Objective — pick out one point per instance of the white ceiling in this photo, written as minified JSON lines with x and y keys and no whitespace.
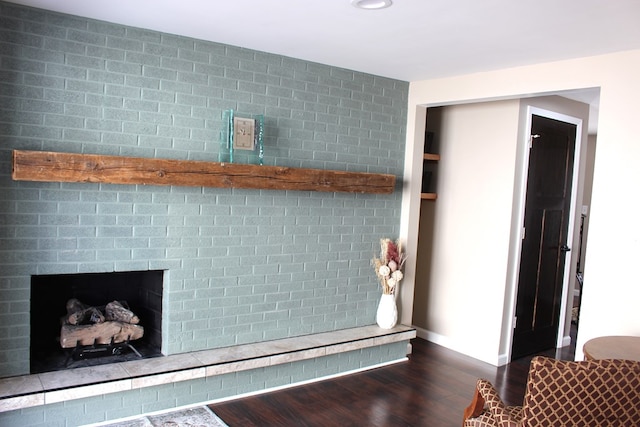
{"x":411,"y":40}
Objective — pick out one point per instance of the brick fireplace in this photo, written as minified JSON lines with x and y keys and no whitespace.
{"x":240,"y":267}
{"x":141,"y":291}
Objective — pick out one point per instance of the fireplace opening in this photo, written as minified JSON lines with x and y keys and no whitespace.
{"x":68,"y":309}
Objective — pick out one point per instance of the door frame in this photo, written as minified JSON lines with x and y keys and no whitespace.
{"x":571,"y":230}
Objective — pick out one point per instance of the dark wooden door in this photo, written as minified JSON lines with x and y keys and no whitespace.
{"x":544,"y":246}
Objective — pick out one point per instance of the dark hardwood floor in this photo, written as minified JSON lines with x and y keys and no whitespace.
{"x":431,"y":389}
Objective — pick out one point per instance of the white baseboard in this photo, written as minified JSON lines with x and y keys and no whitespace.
{"x":443,"y":341}
{"x":503,"y":359}
{"x":452,"y":345}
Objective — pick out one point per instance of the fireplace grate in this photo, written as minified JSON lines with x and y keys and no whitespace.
{"x":83,"y":352}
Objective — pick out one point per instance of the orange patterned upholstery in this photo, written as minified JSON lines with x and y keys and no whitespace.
{"x":602,"y":393}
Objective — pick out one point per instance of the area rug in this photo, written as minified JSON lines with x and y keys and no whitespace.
{"x":194,"y":417}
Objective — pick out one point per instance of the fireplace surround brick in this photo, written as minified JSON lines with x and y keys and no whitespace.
{"x":241,"y":266}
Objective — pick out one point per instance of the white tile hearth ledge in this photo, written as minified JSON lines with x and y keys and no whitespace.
{"x":52,"y":387}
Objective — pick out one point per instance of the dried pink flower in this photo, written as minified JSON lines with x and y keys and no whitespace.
{"x":388,"y":266}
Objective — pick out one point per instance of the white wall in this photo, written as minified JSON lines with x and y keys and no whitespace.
{"x":610,"y":292}
{"x":470,"y":234}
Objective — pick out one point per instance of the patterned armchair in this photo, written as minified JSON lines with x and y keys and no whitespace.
{"x":602,"y":393}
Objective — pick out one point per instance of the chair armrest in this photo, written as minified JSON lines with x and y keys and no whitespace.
{"x":486,"y":396}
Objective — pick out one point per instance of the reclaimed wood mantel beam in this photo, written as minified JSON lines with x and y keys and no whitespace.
{"x":47,"y":166}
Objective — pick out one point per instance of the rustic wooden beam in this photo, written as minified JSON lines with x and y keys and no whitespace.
{"x":68,"y":167}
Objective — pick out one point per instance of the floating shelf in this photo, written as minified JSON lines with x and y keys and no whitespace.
{"x":432,"y":158}
{"x":428,"y":196}
{"x":47,"y":166}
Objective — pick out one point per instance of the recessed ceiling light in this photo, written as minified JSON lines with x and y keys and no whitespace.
{"x":371,"y":4}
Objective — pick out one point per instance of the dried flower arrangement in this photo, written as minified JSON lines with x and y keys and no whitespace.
{"x":389,"y":264}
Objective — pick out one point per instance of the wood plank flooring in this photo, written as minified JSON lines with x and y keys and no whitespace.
{"x":431,"y":389}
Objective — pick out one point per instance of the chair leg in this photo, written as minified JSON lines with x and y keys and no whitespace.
{"x":475,"y":408}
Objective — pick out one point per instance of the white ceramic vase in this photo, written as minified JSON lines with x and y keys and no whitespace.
{"x":387,"y":314}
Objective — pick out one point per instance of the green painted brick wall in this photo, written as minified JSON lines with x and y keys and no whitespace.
{"x":240,"y":265}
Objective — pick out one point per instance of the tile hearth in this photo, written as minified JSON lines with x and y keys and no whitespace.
{"x":51,"y":387}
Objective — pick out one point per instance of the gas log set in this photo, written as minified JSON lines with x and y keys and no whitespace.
{"x":99,"y":331}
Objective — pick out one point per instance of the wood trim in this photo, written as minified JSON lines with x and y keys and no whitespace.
{"x":431,"y":156}
{"x":47,"y":166}
{"x":428,"y":196}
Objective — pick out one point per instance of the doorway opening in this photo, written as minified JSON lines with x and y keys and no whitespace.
{"x":435,"y":272}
